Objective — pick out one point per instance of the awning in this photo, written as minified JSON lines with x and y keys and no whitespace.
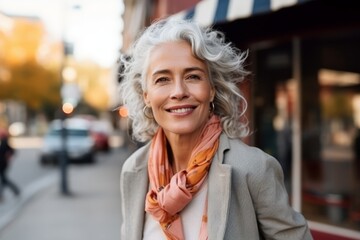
{"x":208,"y":12}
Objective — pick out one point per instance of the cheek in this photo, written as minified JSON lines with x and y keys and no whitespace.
{"x":156,"y":97}
{"x":203,"y":93}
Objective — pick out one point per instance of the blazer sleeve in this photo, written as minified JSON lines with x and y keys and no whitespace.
{"x":277,"y":219}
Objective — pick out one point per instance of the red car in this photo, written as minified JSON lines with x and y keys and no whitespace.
{"x":100,"y":130}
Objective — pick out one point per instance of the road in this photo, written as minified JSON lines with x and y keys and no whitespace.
{"x":32,"y":177}
{"x":24,"y":168}
{"x":28,"y":175}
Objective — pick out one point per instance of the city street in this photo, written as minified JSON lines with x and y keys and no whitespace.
{"x":92,"y":211}
{"x":27,"y":174}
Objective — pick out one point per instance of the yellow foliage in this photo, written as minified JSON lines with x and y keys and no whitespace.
{"x":93,"y":81}
{"x":23,"y":42}
{"x":30,"y":68}
{"x":22,"y":78}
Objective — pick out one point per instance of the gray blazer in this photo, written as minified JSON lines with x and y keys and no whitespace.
{"x":247,"y":197}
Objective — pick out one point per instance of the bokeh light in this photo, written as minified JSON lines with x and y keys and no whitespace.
{"x":67,"y":108}
{"x":123,"y":112}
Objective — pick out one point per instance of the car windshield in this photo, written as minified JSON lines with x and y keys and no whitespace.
{"x":70,"y":132}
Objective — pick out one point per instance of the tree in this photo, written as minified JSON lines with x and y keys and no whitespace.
{"x":24,"y":75}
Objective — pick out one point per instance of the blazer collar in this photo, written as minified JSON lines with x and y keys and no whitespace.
{"x":219,"y":192}
{"x":224,"y":145}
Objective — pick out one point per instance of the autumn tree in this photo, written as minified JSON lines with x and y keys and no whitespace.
{"x":28,"y":72}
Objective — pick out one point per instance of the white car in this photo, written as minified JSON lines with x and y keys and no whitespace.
{"x":79,"y":144}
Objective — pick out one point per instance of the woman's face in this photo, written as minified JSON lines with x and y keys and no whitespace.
{"x":178,"y":89}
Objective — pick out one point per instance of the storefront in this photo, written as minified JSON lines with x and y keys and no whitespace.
{"x":305,"y":96}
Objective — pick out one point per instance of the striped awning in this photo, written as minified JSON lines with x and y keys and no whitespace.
{"x":208,"y":12}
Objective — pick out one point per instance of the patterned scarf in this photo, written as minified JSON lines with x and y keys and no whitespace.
{"x":170,"y":193}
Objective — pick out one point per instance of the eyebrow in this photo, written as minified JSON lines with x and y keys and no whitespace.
{"x":190,"y":69}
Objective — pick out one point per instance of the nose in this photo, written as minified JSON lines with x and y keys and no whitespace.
{"x":180,"y":90}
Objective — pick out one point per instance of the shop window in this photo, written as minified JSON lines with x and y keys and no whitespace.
{"x":274,"y":99}
{"x":331,"y":151}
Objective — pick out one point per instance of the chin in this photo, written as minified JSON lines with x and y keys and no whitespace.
{"x":182,"y":129}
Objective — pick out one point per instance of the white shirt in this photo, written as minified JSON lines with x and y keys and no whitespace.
{"x":191,"y":218}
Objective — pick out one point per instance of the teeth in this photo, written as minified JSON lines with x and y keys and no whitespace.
{"x":181,"y":110}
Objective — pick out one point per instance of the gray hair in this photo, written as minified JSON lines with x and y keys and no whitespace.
{"x":226,"y":70}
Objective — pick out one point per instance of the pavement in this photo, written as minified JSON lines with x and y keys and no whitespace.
{"x":91,"y":211}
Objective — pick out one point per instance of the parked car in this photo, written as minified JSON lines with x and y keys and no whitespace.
{"x":101,"y":130}
{"x":79,"y":143}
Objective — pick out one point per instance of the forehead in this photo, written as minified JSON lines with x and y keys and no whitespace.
{"x":174,"y":54}
{"x":171,"y":44}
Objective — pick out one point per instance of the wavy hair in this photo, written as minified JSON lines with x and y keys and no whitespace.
{"x":226,"y":71}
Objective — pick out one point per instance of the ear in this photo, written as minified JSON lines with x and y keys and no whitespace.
{"x":212,"y":94}
{"x":146,"y":100}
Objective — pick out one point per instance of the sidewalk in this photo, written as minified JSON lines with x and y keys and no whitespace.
{"x":92,"y":212}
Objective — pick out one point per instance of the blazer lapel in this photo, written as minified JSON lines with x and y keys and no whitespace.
{"x":219,"y":192}
{"x":136,"y":185}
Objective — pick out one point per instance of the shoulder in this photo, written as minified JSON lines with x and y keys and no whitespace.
{"x":137,"y":160}
{"x":247,"y":158}
{"x":253,"y":167}
{"x":239,"y":149}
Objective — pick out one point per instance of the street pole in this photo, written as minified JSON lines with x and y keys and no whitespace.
{"x":64,"y":157}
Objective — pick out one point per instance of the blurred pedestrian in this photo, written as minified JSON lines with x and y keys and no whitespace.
{"x":196,"y":179}
{"x":6,"y":154}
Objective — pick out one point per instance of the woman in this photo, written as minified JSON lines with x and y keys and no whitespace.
{"x":196,"y":179}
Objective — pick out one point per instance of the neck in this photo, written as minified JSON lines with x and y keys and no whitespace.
{"x":179,"y":152}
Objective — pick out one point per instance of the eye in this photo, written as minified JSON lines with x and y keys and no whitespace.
{"x":193,"y":77}
{"x":161,"y":80}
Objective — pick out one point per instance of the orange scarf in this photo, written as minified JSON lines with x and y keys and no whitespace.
{"x":170,"y":193}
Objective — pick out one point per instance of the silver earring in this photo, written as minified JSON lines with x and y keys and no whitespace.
{"x":212,"y":107}
{"x":147,"y":112}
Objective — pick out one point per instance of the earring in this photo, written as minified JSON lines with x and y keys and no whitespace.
{"x":147,"y":112}
{"x":212,"y":107}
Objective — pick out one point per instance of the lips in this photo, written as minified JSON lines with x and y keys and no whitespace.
{"x":181,"y":109}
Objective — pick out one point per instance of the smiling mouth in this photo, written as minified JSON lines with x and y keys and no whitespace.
{"x":181,"y":110}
